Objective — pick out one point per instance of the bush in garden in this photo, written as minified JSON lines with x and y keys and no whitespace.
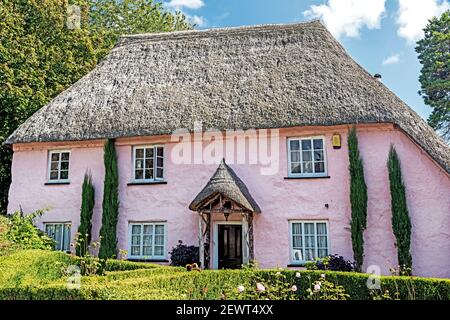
{"x":332,"y":262}
{"x":323,"y":289}
{"x":23,"y":233}
{"x":183,"y":255}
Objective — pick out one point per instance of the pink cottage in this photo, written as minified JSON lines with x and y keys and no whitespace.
{"x":276,"y":102}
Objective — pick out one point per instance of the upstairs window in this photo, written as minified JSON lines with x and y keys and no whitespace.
{"x":306,"y":157}
{"x":148,"y":163}
{"x":58,"y":166}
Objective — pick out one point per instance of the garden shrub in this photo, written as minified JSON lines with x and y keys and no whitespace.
{"x":183,"y":255}
{"x":86,"y":212}
{"x":332,"y":262}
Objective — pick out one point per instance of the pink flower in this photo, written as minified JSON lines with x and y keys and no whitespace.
{"x":294,"y":288}
{"x":317,"y":286}
{"x":240,"y":289}
{"x":260,"y":287}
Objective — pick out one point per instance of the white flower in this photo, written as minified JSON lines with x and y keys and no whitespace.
{"x":323,"y":275}
{"x":278,"y":273}
{"x":260,"y":287}
{"x":297,"y":275}
{"x":294,"y":288}
{"x":317,"y":286}
{"x":240,"y":289}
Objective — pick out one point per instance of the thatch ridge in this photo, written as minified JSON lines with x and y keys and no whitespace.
{"x":225,"y":182}
{"x":271,"y":76}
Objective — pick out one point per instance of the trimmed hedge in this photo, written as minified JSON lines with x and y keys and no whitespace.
{"x":37,"y":275}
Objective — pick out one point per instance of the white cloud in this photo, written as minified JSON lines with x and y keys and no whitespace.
{"x":394,"y":59}
{"x":199,"y":21}
{"x":347,"y":17}
{"x":190,"y":4}
{"x":413,"y":16}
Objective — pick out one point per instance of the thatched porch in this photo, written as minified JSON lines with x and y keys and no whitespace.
{"x":225,"y":195}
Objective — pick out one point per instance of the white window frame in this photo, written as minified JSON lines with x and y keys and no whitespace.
{"x":155,"y":161}
{"x":291,"y":239}
{"x":65,"y":223}
{"x":130,"y":239}
{"x":49,"y":166}
{"x":313,"y":174}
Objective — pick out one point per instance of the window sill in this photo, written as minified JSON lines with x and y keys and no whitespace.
{"x":307,"y":178}
{"x":138,"y":183}
{"x":50,"y":183}
{"x":296,"y":265}
{"x":147,"y":260}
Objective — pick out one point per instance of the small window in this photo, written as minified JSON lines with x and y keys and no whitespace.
{"x":60,"y":233}
{"x":58,"y":166}
{"x":147,"y":241}
{"x":309,"y":240}
{"x":148,"y":163}
{"x":306,"y":157}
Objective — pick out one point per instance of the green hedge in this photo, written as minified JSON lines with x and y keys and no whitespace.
{"x":38,"y":275}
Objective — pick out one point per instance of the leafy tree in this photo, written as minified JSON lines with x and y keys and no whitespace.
{"x":40,"y":55}
{"x":358,"y":199}
{"x":87,"y":210}
{"x":108,"y":231}
{"x":434,"y":55}
{"x":401,"y":223}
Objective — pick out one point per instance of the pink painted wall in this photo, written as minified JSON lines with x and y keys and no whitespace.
{"x":427,"y":186}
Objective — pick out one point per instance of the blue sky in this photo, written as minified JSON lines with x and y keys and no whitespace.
{"x":379,"y":34}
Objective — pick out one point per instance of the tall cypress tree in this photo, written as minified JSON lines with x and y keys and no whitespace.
{"x":358,"y":199}
{"x":87,"y":209}
{"x":108,"y":241}
{"x":401,"y":223}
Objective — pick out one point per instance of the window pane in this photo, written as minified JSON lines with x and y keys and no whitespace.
{"x":318,"y":144}
{"x":54,"y":175}
{"x":297,"y":242}
{"x":309,"y":254}
{"x":160,"y":151}
{"x":318,"y":156}
{"x":147,"y":240}
{"x":64,"y":175}
{"x":66,"y":236}
{"x":159,"y":240}
{"x":307,"y":167}
{"x":159,"y":229}
{"x":149,"y":163}
{"x":57,"y":236}
{"x":136,"y":240}
{"x":149,"y":153}
{"x":159,"y":250}
{"x":159,"y":173}
{"x":139,"y":164}
{"x":296,"y":228}
{"x":54,"y":166}
{"x":309,"y":242}
{"x":295,"y":156}
{"x":306,"y":144}
{"x":160,"y":162}
{"x":139,"y":174}
{"x":136,"y":229}
{"x":309,"y":228}
{"x":148,"y":229}
{"x":295,"y":145}
{"x":307,"y":156}
{"x":139,"y":153}
{"x":322,"y":253}
{"x":321,"y":228}
{"x":319,"y":167}
{"x":147,"y":251}
{"x":322,"y":241}
{"x":135,"y":250}
{"x":295,"y":168}
{"x":297,"y":254}
{"x":64,"y":165}
{"x":55,"y":156}
{"x":149,"y":174}
{"x":65,"y":156}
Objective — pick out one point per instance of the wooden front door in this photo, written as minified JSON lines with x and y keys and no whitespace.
{"x":230,"y":246}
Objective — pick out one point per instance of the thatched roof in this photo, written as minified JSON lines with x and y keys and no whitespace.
{"x":270,"y":76}
{"x":225,"y":182}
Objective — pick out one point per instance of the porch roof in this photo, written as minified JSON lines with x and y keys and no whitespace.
{"x":225,"y":182}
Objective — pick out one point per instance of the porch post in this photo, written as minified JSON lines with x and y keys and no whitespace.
{"x":201,"y":242}
{"x":248,"y":255}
